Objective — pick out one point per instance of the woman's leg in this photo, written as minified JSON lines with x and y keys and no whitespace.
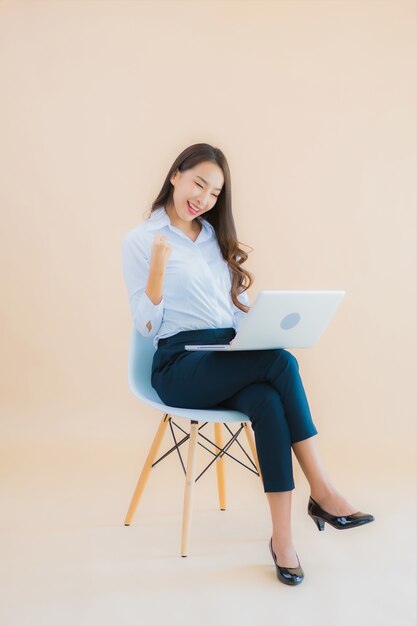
{"x":207,"y":379}
{"x":322,"y":490}
{"x":264,"y":407}
{"x":321,"y":487}
{"x":273,"y":443}
{"x":210,"y":379}
{"x":280,"y":505}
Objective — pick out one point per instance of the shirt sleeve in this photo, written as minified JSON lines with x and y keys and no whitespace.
{"x":238,"y":314}
{"x":135,"y":264}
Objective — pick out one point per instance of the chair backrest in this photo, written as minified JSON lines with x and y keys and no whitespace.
{"x":141,"y":351}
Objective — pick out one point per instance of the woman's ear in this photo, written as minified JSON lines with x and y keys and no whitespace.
{"x":173,"y":177}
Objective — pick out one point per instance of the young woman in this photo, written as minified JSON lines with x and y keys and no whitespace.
{"x":186,"y":284}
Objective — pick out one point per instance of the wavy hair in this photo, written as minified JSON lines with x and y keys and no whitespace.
{"x":220,"y":216}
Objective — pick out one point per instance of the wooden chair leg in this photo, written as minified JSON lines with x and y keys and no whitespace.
{"x":143,"y":478}
{"x":252,"y":445}
{"x":221,"y":483}
{"x":189,"y":487}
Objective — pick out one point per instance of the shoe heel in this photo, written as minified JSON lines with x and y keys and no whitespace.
{"x":319,"y":522}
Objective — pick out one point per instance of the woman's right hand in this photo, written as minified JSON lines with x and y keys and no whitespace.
{"x":160,"y":252}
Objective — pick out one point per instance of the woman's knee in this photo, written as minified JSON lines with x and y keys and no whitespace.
{"x":260,"y":399}
{"x":286,"y":356}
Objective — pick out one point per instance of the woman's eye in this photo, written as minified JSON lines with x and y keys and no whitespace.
{"x":213,"y":194}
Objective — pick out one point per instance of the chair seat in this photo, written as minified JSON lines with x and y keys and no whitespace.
{"x":201,"y":415}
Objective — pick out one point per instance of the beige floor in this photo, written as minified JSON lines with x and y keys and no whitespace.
{"x":67,"y":559}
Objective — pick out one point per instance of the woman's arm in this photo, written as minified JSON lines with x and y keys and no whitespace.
{"x":160,"y":253}
{"x":144,"y":280}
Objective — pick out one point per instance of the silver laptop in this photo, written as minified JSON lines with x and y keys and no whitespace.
{"x":283,"y":319}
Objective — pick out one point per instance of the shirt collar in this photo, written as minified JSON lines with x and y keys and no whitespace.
{"x":159,"y":218}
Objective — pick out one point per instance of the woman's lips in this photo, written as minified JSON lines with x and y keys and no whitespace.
{"x":191,"y":210}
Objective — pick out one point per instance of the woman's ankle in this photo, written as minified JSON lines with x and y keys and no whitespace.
{"x":282,"y":542}
{"x":323,"y":490}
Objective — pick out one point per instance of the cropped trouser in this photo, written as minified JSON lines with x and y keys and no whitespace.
{"x":265,"y":385}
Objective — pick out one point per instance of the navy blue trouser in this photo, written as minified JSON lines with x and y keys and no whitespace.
{"x":265,"y":385}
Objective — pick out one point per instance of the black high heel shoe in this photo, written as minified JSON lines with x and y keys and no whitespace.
{"x":287,"y":575}
{"x":320,"y":516}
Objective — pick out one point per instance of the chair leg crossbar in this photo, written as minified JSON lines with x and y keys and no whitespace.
{"x":219,"y":454}
{"x":189,"y":471}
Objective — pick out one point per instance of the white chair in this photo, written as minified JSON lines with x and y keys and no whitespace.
{"x":141,"y":351}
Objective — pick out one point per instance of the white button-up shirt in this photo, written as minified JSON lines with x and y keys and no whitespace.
{"x":196,"y":288}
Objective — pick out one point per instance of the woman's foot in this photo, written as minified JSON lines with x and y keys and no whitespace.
{"x":285,"y":553}
{"x":333,"y":502}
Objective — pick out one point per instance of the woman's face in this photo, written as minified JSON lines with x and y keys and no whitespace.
{"x":200,"y":186}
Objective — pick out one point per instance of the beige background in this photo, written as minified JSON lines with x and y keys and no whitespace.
{"x":314,"y":105}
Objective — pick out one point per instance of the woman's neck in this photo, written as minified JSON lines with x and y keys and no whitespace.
{"x":191,"y":229}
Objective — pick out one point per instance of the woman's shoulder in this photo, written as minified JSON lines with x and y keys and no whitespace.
{"x":136,"y":236}
{"x":152,"y":222}
{"x":136,"y":231}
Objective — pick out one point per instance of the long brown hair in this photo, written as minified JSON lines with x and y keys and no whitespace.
{"x":220,"y":216}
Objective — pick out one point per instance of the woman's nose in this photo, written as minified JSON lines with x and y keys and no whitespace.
{"x":203,"y":200}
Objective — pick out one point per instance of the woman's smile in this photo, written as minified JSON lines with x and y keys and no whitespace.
{"x":191,"y":208}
